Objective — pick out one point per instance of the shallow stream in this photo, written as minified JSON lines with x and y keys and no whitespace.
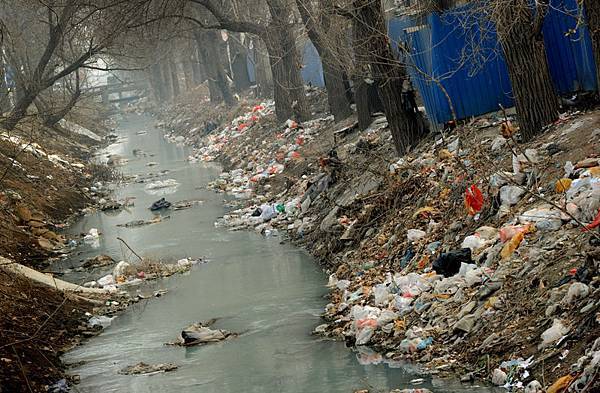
{"x":273,"y":293}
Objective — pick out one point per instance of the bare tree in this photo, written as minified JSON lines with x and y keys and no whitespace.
{"x":208,"y":48}
{"x":519,"y":31}
{"x":318,"y":23}
{"x":76,"y":32}
{"x":280,"y":41}
{"x":372,"y":49}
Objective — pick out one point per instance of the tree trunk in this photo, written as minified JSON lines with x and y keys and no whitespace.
{"x":592,"y":10}
{"x":262,"y":70}
{"x":4,"y":98}
{"x":332,"y":71}
{"x":536,"y":101}
{"x":19,"y":111}
{"x":211,"y":56}
{"x":196,"y":68}
{"x":157,"y":83}
{"x":285,"y":64}
{"x":166,"y":80}
{"x":239,"y":63}
{"x":288,"y":87}
{"x":361,"y":99}
{"x":187,"y":72}
{"x":405,"y":121}
{"x":174,"y":79}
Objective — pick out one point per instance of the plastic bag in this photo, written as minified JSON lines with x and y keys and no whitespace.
{"x":473,"y":200}
{"x":553,"y":334}
{"x":364,"y":335}
{"x":106,"y":280}
{"x":414,"y":235}
{"x":101,"y":320}
{"x":509,"y":231}
{"x":474,"y":242}
{"x":386,"y":317}
{"x":267,"y":212}
{"x":512,"y":245}
{"x":403,"y":304}
{"x":594,"y":223}
{"x":382,"y":294}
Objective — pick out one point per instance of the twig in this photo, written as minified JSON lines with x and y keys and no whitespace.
{"x":22,"y":370}
{"x":130,"y":249}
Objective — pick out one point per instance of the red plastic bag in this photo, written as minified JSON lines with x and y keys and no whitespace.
{"x":593,"y":224}
{"x":473,"y":200}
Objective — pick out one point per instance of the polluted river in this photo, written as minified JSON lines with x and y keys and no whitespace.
{"x":270,"y":292}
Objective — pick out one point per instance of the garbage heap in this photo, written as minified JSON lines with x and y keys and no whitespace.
{"x":475,"y":254}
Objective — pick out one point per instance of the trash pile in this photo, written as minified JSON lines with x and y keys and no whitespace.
{"x":125,"y":274}
{"x":142,"y":368}
{"x":472,"y":249}
{"x":200,"y":333}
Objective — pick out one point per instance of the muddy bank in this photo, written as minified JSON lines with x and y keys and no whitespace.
{"x":523,"y":307}
{"x":47,"y":178}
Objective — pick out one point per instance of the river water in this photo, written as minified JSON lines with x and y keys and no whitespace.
{"x":271,"y":292}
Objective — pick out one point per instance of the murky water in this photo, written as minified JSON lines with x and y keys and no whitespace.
{"x":272,"y":292}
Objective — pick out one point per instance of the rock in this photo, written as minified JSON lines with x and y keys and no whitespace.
{"x":36,"y":223}
{"x":23,"y":213}
{"x":330,"y":220}
{"x":511,"y":195}
{"x":98,"y":261}
{"x":198,"y":334}
{"x":52,"y":236}
{"x":468,"y":308}
{"x":490,"y":341}
{"x":499,"y":377}
{"x":420,"y":390}
{"x":45,"y":244}
{"x":466,"y":323}
{"x":469,"y":377}
{"x":144,"y":368}
{"x":489,"y":288}
{"x":487,"y":233}
{"x":543,"y":218}
{"x":534,"y":387}
{"x":587,"y":163}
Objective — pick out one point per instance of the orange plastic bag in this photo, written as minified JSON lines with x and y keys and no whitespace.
{"x":512,"y":245}
{"x":561,"y":384}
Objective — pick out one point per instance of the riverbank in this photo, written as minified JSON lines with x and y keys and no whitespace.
{"x":518,"y":308}
{"x":47,"y":177}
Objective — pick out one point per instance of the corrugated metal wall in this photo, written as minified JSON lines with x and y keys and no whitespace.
{"x":312,"y":69}
{"x":448,"y":60}
{"x":570,"y":58}
{"x":467,"y":61}
{"x":439,"y":44}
